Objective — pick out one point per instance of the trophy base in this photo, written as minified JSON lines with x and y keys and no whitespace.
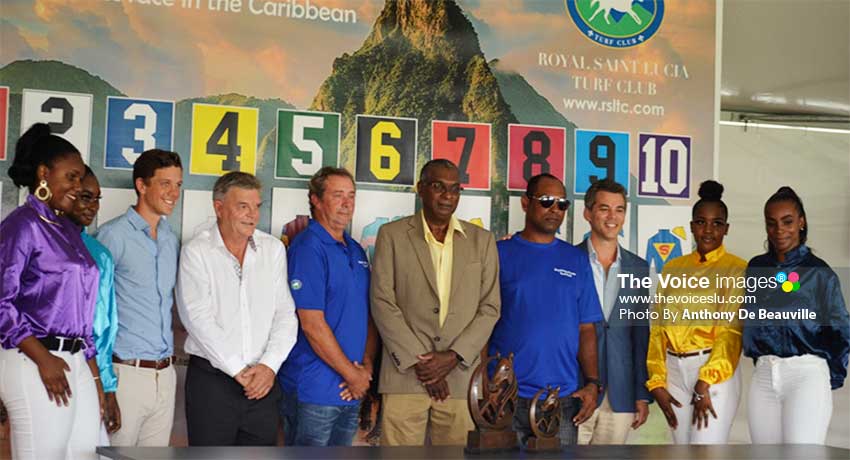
{"x":479,"y":441}
{"x":536,"y":444}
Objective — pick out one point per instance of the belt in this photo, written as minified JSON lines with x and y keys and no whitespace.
{"x":689,"y":354}
{"x":58,"y":343}
{"x":158,"y":364}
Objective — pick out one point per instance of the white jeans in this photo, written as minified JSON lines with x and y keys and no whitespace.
{"x":790,"y":400}
{"x":682,"y":376}
{"x":41,"y":430}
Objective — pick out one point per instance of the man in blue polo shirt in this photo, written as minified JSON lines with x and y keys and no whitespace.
{"x":549,"y":305}
{"x":330,"y":368}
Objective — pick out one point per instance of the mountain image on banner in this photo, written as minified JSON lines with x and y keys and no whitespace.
{"x":421,"y":60}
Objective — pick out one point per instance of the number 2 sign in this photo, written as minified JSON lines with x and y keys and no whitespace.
{"x":534,"y":150}
{"x":224,"y":139}
{"x":665,"y":166}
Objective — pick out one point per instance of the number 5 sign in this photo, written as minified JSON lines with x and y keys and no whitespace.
{"x":534,"y":150}
{"x":134,"y":126}
{"x":665,"y":166}
{"x":224,"y":139}
{"x":386,"y":150}
{"x":306,"y":141}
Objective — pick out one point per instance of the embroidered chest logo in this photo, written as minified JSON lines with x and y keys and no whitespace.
{"x":563,"y":272}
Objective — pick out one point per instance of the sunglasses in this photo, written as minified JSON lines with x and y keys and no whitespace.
{"x":546,"y":201}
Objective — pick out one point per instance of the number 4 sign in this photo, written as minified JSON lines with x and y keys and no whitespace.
{"x":665,"y":166}
{"x":134,"y":126}
{"x":306,"y":141}
{"x":224,"y":139}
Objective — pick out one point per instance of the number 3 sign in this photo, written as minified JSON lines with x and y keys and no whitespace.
{"x":224,"y":139}
{"x":134,"y":126}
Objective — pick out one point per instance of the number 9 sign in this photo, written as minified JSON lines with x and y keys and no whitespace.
{"x":665,"y":166}
{"x":386,"y":150}
{"x":600,"y":155}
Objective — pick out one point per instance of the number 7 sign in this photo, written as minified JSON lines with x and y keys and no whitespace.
{"x":467,"y":145}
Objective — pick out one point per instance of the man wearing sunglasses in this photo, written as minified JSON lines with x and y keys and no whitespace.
{"x":549,"y":307}
{"x":434,"y":299}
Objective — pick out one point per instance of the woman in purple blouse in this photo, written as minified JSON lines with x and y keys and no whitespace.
{"x":49,"y":380}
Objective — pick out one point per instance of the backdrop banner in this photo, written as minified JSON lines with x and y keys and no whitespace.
{"x":581,"y":89}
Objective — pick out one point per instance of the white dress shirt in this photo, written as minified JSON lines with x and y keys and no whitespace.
{"x":607,"y":284}
{"x":236,"y":316}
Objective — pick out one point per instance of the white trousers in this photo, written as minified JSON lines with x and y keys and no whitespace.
{"x":146,"y":398}
{"x":790,"y":400}
{"x":682,"y":376}
{"x":41,"y":430}
{"x":606,"y":426}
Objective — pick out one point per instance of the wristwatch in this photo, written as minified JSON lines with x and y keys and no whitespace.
{"x":595,"y":382}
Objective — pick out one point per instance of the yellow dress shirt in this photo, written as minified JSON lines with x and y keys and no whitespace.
{"x":723,"y":337}
{"x":441,"y":257}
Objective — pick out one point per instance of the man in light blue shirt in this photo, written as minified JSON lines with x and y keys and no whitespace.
{"x":145,"y":252}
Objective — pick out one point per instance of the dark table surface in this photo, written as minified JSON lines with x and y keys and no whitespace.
{"x":664,"y":452}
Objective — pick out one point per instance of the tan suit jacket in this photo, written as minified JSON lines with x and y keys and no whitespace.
{"x":406,"y":304}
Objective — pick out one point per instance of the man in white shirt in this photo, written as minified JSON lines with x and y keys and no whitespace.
{"x":233,"y":297}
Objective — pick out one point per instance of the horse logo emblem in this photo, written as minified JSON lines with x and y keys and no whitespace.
{"x":617,"y":23}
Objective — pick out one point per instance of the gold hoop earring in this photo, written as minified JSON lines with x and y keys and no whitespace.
{"x":42,"y":192}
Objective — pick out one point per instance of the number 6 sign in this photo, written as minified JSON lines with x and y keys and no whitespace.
{"x":665,"y":166}
{"x":386,"y":150}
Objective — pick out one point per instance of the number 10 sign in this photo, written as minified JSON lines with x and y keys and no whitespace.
{"x":665,"y":166}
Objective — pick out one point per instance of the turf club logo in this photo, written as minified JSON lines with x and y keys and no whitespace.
{"x":789,"y":282}
{"x":617,"y":23}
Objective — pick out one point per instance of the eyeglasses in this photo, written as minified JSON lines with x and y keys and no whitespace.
{"x":439,"y":187}
{"x":89,"y":199}
{"x":546,"y":201}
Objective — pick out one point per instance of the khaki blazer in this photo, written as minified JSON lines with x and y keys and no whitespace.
{"x":405,"y":304}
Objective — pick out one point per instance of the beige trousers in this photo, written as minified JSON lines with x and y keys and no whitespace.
{"x":405,"y":420}
{"x":146,"y":399}
{"x":606,"y":426}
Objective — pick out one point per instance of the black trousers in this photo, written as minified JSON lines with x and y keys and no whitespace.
{"x":219,"y":414}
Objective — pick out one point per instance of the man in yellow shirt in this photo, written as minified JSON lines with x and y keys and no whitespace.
{"x":435,"y":300}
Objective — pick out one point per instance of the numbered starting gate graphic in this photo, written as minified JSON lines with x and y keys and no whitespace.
{"x":224,"y":139}
{"x":600,"y":155}
{"x":665,"y":166}
{"x":134,"y":126}
{"x":534,"y":150}
{"x":67,"y":114}
{"x":468,"y":146}
{"x":306,"y":141}
{"x":386,"y":150}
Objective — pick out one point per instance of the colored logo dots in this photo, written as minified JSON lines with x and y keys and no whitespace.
{"x":790,"y":282}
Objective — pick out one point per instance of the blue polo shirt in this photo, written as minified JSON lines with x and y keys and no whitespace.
{"x":547,"y":291}
{"x":326,"y":275}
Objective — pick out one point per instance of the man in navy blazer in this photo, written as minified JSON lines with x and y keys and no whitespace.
{"x":621,"y":337}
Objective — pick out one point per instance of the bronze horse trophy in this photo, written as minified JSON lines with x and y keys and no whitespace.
{"x":492,"y":403}
{"x":545,"y":420}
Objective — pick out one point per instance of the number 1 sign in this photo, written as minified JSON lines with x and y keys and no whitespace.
{"x":665,"y":166}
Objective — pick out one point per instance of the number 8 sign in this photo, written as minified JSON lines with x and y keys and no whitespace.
{"x":665,"y":166}
{"x":534,"y":150}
